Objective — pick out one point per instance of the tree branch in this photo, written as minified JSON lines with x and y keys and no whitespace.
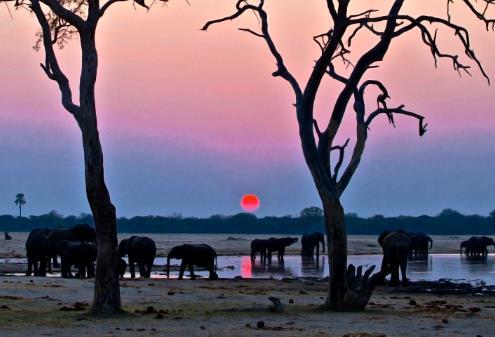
{"x":64,"y":13}
{"x":242,"y":6}
{"x":341,"y":149}
{"x":51,"y":66}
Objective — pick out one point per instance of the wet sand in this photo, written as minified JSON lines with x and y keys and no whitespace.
{"x":39,"y":306}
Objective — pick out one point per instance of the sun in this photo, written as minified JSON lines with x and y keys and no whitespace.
{"x":250,"y":202}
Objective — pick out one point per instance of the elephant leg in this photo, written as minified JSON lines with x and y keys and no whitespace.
{"x":30,"y":266}
{"x":403,"y":269}
{"x":42,"y":270}
{"x":213,"y":274}
{"x":81,"y":270}
{"x":191,"y":271}
{"x":150,"y":267}
{"x":253,"y":255}
{"x":269,"y":256}
{"x":35,"y":266}
{"x":182,"y":268}
{"x":55,"y":262}
{"x":142,"y":271}
{"x":91,"y":270}
{"x":132,"y":268}
{"x":281,"y":254}
{"x":394,"y":279}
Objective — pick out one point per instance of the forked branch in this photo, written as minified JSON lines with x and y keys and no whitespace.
{"x":242,"y":6}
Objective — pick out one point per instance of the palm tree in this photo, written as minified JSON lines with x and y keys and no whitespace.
{"x":19,"y":201}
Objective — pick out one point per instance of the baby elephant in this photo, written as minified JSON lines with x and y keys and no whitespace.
{"x":199,"y":255}
{"x":81,"y":254}
{"x":140,"y":250}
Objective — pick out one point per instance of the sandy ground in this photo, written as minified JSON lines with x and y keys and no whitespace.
{"x":38,"y":307}
{"x":31,"y":306}
{"x":226,"y":244}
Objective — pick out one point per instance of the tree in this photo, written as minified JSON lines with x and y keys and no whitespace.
{"x":311,"y":212}
{"x":60,"y":21}
{"x":20,"y":201}
{"x":330,"y":177}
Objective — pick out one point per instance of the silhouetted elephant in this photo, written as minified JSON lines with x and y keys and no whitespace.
{"x":311,"y":242}
{"x":38,"y":251}
{"x":278,"y":245}
{"x":420,"y":243}
{"x":7,"y":236}
{"x":81,"y":254}
{"x":81,"y":232}
{"x":396,"y":247}
{"x":200,"y":255}
{"x":476,"y":246}
{"x":140,"y":250}
{"x":122,"y":267}
{"x":259,"y":246}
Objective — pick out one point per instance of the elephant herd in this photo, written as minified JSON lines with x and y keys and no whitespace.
{"x":76,"y":247}
{"x":399,"y":245}
{"x":310,"y":246}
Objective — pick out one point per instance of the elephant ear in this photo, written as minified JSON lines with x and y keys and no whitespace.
{"x":123,"y":247}
{"x":382,"y":236}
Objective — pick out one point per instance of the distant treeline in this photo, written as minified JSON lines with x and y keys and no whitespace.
{"x":310,"y":220}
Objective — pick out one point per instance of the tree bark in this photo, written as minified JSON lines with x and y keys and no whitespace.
{"x":107,"y":292}
{"x":337,"y":253}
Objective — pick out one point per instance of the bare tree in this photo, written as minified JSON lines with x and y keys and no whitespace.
{"x":60,"y":21}
{"x":350,"y":289}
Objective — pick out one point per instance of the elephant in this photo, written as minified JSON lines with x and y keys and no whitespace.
{"x":420,"y":243}
{"x":81,"y":254}
{"x":80,"y":232}
{"x":278,"y":245}
{"x":122,"y":267}
{"x":140,"y":250}
{"x":38,"y":251}
{"x":310,"y":242}
{"x":259,"y":246}
{"x":7,"y":236}
{"x":396,"y":247}
{"x":476,"y":246}
{"x":200,"y":255}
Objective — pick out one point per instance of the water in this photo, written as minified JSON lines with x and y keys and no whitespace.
{"x":437,"y":266}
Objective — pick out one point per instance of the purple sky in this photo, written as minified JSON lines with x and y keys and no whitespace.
{"x":191,"y":121}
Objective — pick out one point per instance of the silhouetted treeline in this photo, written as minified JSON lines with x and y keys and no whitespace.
{"x":310,"y":219}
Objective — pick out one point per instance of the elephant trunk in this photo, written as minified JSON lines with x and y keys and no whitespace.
{"x":168,"y":266}
{"x":431,"y":242}
{"x":323,"y":244}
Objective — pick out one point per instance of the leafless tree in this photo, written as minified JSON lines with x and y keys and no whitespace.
{"x":350,"y":289}
{"x":60,"y":21}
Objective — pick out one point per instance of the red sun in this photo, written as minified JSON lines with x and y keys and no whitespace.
{"x":250,"y":202}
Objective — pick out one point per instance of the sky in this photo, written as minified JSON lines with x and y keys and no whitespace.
{"x":190,"y":121}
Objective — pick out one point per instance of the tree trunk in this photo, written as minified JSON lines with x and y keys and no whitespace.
{"x":337,"y":253}
{"x":20,"y":211}
{"x":107,"y":292}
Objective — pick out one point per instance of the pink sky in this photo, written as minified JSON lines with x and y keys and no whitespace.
{"x":179,"y":104}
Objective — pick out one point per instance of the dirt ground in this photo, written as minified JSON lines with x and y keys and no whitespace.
{"x":56,"y":307}
{"x":235,"y":244}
